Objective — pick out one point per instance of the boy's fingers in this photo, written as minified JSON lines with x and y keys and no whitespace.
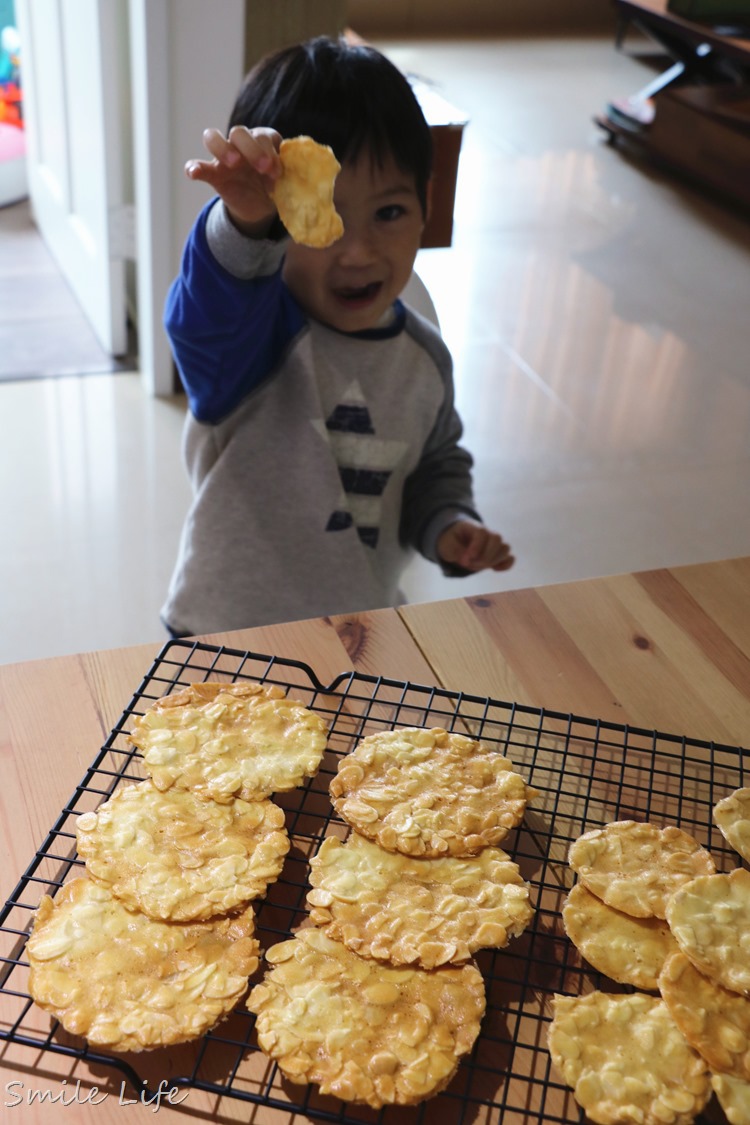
{"x":476,"y":547}
{"x":500,"y":555}
{"x":219,"y":146}
{"x":258,"y":147}
{"x":505,"y":563}
{"x":487,"y":550}
{"x":200,"y":169}
{"x":473,"y":547}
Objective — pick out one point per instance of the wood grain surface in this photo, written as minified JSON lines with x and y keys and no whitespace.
{"x":666,"y":650}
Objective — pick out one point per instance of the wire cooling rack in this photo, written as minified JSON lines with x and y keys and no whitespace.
{"x":587,"y":773}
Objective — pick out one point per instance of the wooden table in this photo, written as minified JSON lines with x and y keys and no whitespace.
{"x":665,"y":650}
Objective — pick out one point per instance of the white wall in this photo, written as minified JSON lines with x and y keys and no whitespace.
{"x":207,"y":63}
{"x":187,"y":62}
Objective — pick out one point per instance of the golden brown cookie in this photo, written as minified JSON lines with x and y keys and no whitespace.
{"x":732,"y":817}
{"x":429,"y":793}
{"x":626,"y":1060}
{"x":303,"y":194}
{"x":713,"y":1020}
{"x":733,"y":1096}
{"x":407,"y":911}
{"x":710,"y":918}
{"x":626,"y":949}
{"x":179,"y":858}
{"x":635,"y":867}
{"x":128,"y":983}
{"x":230,"y":740}
{"x":360,"y":1030}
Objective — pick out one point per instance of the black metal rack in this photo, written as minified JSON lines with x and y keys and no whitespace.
{"x":587,"y":772}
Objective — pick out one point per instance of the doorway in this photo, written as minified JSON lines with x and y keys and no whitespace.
{"x":43,"y":331}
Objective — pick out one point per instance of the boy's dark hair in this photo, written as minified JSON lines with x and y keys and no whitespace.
{"x":348,"y":96}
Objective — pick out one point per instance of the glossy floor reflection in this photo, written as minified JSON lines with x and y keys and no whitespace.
{"x":596,"y":310}
{"x":594,"y":306}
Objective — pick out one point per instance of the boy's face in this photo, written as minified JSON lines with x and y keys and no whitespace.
{"x":352,"y":283}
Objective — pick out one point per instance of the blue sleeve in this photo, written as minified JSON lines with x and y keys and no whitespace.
{"x":227,"y":333}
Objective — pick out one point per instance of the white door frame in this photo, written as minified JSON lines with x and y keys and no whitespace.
{"x":73,"y":57}
{"x":150,"y":85}
{"x":187,"y":63}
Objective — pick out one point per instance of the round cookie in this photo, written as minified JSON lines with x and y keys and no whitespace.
{"x":362,"y":1031}
{"x":178,"y":858}
{"x":710,"y":918}
{"x":230,"y":740}
{"x":635,"y":867}
{"x":626,"y":1060}
{"x":733,"y":1096}
{"x":626,"y":949}
{"x":713,"y":1020}
{"x":732,"y":817}
{"x":128,"y":983}
{"x":407,"y":911}
{"x":429,"y":793}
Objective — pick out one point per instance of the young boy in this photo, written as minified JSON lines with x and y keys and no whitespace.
{"x":322,"y":441}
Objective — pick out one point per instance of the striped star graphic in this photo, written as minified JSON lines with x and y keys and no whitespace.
{"x":365,"y":464}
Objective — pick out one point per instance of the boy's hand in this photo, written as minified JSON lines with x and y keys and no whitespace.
{"x":472,"y":546}
{"x":244,"y":168}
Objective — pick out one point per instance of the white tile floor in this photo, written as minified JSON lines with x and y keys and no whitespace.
{"x":597,"y":312}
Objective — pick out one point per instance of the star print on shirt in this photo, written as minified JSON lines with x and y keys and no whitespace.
{"x":365,"y":463}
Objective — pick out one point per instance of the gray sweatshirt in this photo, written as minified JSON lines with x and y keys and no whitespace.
{"x":319,"y":461}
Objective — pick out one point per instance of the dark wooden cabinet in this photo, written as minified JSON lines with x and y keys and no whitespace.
{"x":698,"y":122}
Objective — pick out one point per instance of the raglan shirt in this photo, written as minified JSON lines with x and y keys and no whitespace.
{"x":318,"y":460}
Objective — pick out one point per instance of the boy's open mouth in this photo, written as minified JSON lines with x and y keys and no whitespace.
{"x":355,"y":296}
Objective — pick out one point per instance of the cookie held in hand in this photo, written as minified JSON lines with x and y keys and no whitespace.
{"x":303,"y":194}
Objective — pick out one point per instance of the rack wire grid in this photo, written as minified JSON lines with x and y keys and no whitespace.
{"x":587,"y":773}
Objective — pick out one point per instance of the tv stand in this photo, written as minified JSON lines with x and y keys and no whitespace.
{"x":694,"y":117}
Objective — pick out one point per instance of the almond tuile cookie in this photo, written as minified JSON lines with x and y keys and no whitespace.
{"x":303,"y":194}
{"x":362,"y":1031}
{"x":732,"y":817}
{"x":635,"y":866}
{"x":179,"y":858}
{"x":128,"y":983}
{"x":626,"y":1060}
{"x":710,"y":918}
{"x":407,"y":911}
{"x":430,"y":793}
{"x":713,"y":1020}
{"x":733,"y":1095}
{"x":223,"y":741}
{"x":626,"y":949}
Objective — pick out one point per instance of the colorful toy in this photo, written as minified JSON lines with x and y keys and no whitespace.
{"x":10,"y":77}
{"x":13,"y":176}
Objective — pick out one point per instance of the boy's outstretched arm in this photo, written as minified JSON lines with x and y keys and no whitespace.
{"x":473,"y":547}
{"x":243,"y":170}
